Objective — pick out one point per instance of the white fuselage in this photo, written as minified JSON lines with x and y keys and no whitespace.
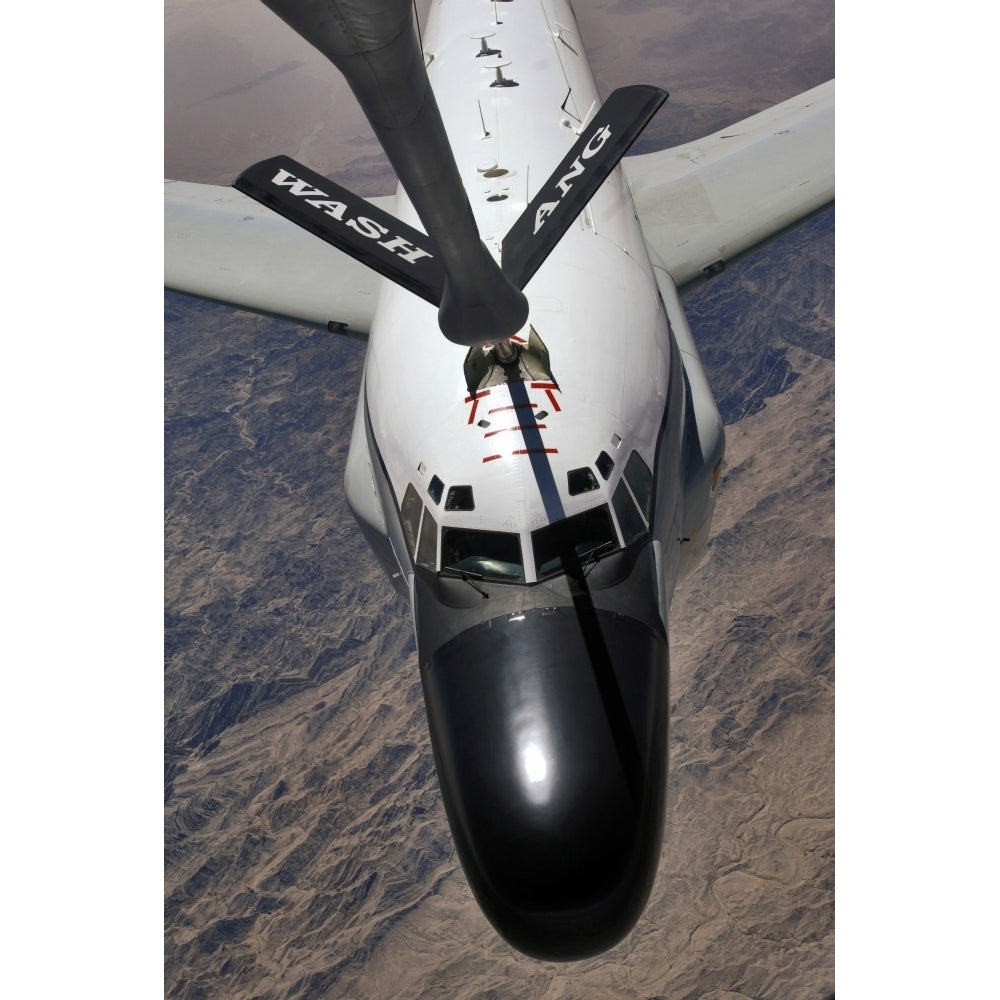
{"x":594,"y":302}
{"x":537,"y":516}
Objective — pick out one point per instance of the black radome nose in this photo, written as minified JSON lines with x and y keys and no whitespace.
{"x":549,"y":732}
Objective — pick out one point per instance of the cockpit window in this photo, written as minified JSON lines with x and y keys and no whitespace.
{"x":581,"y":481}
{"x":640,"y":479}
{"x":427,"y":550}
{"x":435,"y":488}
{"x":629,"y":520}
{"x":460,"y":498}
{"x":494,"y":555}
{"x":410,"y":511}
{"x":605,"y":463}
{"x":568,"y":544}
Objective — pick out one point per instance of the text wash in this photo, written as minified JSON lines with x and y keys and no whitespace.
{"x":336,"y":209}
{"x":594,"y":146}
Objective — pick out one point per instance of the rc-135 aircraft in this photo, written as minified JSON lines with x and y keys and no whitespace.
{"x":536,"y":481}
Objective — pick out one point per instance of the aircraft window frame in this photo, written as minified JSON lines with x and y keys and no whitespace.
{"x":630,"y":520}
{"x":410,"y":511}
{"x":426,"y":555}
{"x":581,"y":480}
{"x":640,"y":481}
{"x":480,"y":552}
{"x":435,"y":489}
{"x":605,"y":465}
{"x":546,"y":568}
{"x":458,"y":500}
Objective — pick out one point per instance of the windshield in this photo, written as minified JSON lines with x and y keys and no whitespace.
{"x":568,"y":544}
{"x":494,"y":555}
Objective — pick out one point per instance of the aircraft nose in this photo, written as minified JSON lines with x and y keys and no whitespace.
{"x":549,"y":731}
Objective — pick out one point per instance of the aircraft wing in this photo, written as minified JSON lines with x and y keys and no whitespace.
{"x":704,"y":204}
{"x":220,"y":244}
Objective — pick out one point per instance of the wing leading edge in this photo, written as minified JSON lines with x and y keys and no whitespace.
{"x":705,"y":204}
{"x":701,"y":206}
{"x":221,"y":245}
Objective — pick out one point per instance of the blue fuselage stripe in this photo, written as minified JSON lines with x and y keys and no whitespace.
{"x":536,"y":452}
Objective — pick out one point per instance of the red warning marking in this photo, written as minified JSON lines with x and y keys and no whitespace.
{"x":474,"y":399}
{"x":516,"y":427}
{"x":548,"y":387}
{"x":536,"y":451}
{"x":516,"y":406}
{"x":490,"y":458}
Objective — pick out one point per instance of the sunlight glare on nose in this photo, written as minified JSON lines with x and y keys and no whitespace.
{"x":536,"y":767}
